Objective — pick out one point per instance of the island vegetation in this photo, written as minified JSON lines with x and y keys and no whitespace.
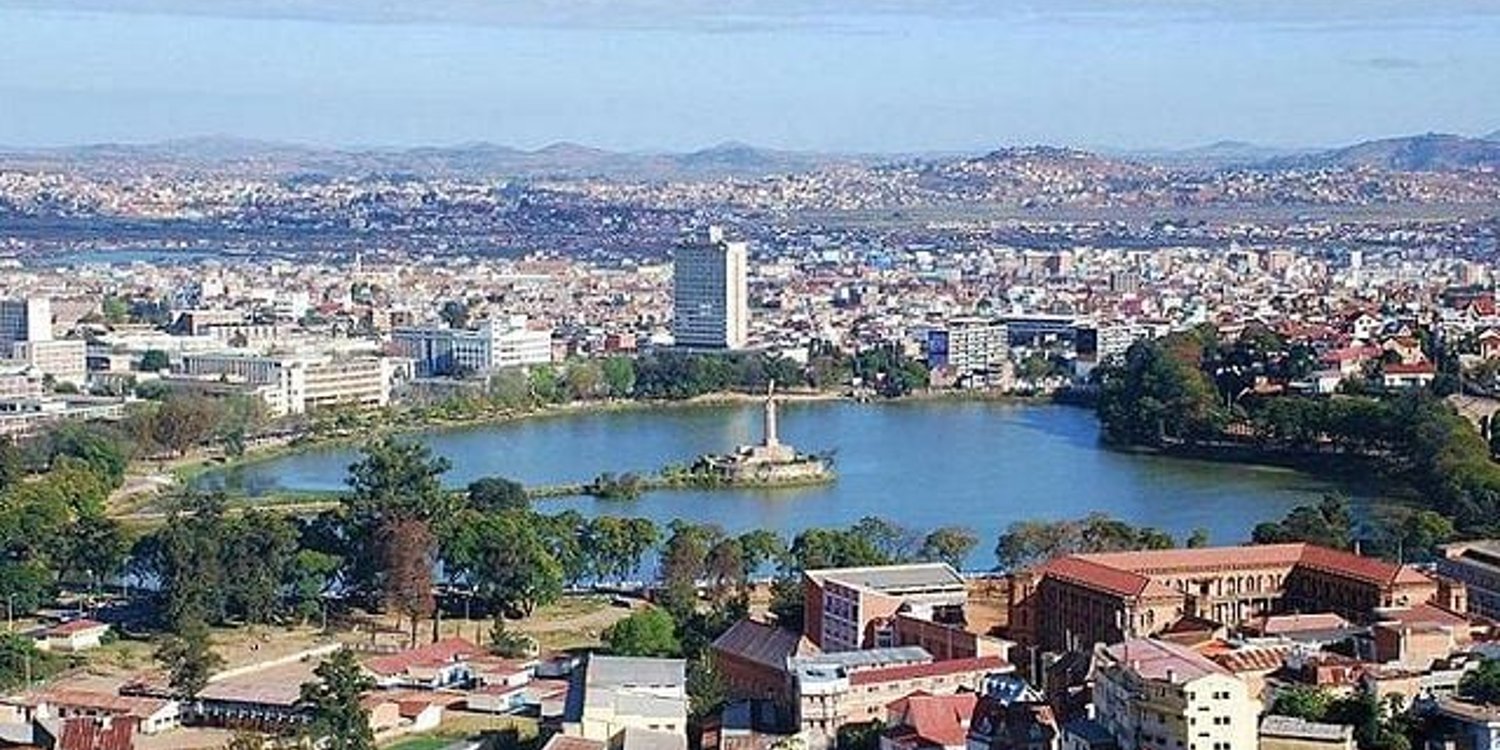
{"x":1192,"y":394}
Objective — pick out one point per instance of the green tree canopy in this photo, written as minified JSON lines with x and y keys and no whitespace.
{"x":648,"y":632}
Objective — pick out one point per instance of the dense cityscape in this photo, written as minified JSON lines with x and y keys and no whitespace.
{"x":903,"y":444}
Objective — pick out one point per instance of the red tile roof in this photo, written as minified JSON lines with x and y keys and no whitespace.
{"x":932,"y":669}
{"x":446,"y":651}
{"x":75,"y":626}
{"x":92,"y":734}
{"x":936,"y":719}
{"x":1349,"y":565}
{"x":1085,"y":572}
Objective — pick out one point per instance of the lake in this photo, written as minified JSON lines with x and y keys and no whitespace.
{"x":921,"y":464}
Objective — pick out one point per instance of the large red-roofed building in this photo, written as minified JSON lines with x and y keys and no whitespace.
{"x":1075,"y":601}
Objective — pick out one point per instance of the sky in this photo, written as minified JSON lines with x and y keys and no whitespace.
{"x":673,"y":75}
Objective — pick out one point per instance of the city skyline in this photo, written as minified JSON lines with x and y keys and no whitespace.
{"x":673,"y":77}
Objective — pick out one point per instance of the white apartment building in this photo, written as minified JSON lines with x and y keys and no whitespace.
{"x":710,"y":303}
{"x":1154,"y":695}
{"x":26,"y":336}
{"x":450,"y":351}
{"x":294,"y":385}
{"x":974,"y":350}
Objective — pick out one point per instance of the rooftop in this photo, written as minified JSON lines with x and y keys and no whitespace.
{"x":895,"y":579}
{"x":761,"y":643}
{"x":1294,"y":728}
{"x":1160,"y":660}
{"x":634,"y":671}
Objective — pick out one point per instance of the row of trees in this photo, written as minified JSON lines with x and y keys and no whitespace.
{"x":679,"y":375}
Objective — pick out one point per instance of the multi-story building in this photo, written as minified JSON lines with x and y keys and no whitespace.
{"x":451,"y":351}
{"x":294,"y":385}
{"x":709,"y":296}
{"x":973,"y":351}
{"x":26,"y":336}
{"x":28,"y":319}
{"x":855,"y":687}
{"x":612,"y":696}
{"x":1074,"y":601}
{"x":64,"y":360}
{"x":1476,"y":564}
{"x":1155,"y":695}
{"x":855,"y":608}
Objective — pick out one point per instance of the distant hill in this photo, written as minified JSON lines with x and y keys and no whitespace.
{"x":470,"y":160}
{"x":1216,"y":155}
{"x":1495,"y":136}
{"x":1433,"y":152}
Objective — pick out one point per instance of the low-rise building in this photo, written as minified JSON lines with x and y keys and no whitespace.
{"x":613,"y":695}
{"x":74,"y":635}
{"x":1155,"y":695}
{"x":1291,"y":733}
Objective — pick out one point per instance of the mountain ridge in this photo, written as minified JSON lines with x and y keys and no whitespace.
{"x":1428,"y":152}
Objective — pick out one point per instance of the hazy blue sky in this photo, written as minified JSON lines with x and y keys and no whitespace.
{"x":870,"y":75}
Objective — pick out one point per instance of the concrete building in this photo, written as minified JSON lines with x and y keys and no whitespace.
{"x":1154,"y":695}
{"x":855,"y":608}
{"x":495,"y":344}
{"x":1476,"y":564}
{"x":974,"y":352}
{"x":62,"y":359}
{"x":855,"y":687}
{"x":28,"y":319}
{"x":295,"y":385}
{"x":615,"y":695}
{"x":710,"y":302}
{"x":26,"y":336}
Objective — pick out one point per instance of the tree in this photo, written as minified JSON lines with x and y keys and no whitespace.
{"x":184,"y":421}
{"x":1197,"y":540}
{"x":186,"y":557}
{"x":584,"y":380}
{"x":506,"y":559}
{"x":949,"y":544}
{"x":684,"y":559}
{"x":309,"y":578}
{"x":1482,"y":684}
{"x":705,"y":688}
{"x":455,"y":313}
{"x":619,"y":376}
{"x":497,"y":494}
{"x":407,"y":568}
{"x":648,"y":632}
{"x":155,"y":360}
{"x":189,"y":660}
{"x":339,"y":721}
{"x":395,"y":487}
{"x":1302,"y":702}
{"x":258,"y":551}
{"x":1328,"y":524}
{"x":894,"y":542}
{"x":12,"y":463}
{"x":96,"y":447}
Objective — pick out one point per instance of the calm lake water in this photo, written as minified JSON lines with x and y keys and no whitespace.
{"x":920,"y":464}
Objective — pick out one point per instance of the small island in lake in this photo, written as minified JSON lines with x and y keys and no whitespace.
{"x":771,"y":462}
